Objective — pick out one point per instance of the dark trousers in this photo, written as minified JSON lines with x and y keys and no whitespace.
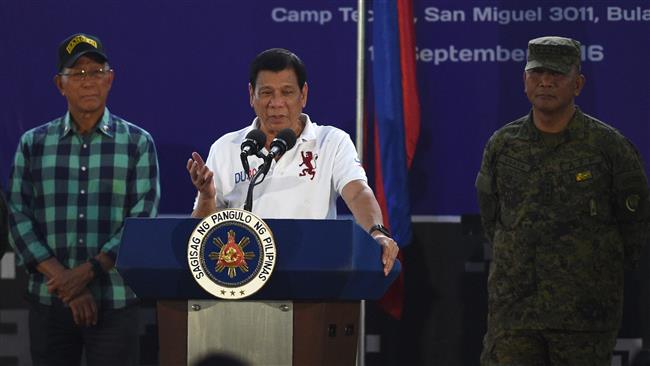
{"x":547,"y":348}
{"x":56,"y":340}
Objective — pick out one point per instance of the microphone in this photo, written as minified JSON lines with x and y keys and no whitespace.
{"x":285,"y":140}
{"x":251,"y":145}
{"x":253,"y":142}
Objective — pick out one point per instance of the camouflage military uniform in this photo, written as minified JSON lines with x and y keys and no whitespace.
{"x":564,"y":213}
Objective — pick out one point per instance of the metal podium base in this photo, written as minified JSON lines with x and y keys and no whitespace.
{"x":259,"y":332}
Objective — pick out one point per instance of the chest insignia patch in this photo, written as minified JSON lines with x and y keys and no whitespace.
{"x":583,"y":176}
{"x":309,"y":164}
{"x":514,"y":163}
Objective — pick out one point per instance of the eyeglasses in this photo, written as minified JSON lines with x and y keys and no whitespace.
{"x":91,"y":74}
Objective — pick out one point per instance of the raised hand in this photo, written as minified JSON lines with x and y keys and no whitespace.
{"x":202,"y":177}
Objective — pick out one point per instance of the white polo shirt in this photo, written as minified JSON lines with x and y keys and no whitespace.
{"x":304,"y":183}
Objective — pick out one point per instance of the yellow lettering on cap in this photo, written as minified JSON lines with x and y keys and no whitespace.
{"x":583,"y":176}
{"x":79,"y":39}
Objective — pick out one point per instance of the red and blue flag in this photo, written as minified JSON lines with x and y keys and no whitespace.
{"x":396,"y":123}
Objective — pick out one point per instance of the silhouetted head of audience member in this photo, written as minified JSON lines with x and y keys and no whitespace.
{"x":220,"y":359}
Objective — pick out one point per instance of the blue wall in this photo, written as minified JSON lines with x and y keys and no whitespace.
{"x":182,"y":71}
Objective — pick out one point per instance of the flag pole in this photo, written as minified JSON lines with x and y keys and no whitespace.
{"x":361,"y":40}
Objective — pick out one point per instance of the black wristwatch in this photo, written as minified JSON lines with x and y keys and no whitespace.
{"x":381,"y":228}
{"x":98,"y":271}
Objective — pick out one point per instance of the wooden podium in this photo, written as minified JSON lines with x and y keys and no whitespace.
{"x":307,"y":313}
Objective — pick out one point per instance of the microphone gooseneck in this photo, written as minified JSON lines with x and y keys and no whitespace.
{"x":284,"y":141}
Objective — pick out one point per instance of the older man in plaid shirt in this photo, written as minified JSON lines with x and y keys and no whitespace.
{"x":4,"y":226}
{"x":74,"y":181}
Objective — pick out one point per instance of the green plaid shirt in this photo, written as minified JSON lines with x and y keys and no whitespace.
{"x":70,"y":193}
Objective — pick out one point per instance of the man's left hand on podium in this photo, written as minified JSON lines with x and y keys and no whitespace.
{"x":389,"y":252}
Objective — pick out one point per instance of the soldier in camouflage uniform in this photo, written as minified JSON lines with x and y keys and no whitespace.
{"x":564,"y":203}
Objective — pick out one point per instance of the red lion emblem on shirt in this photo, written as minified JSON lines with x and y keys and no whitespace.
{"x":308,"y":160}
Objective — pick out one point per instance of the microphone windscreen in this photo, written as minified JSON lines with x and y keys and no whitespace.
{"x":258,"y":136}
{"x":288,"y":136}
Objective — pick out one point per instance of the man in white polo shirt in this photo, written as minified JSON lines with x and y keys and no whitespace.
{"x":304,"y":182}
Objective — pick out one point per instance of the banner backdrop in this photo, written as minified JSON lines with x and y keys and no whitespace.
{"x":181,"y":72}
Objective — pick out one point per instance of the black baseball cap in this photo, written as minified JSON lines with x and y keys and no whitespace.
{"x":78,"y":45}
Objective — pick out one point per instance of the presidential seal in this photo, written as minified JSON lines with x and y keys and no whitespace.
{"x":231,"y":254}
